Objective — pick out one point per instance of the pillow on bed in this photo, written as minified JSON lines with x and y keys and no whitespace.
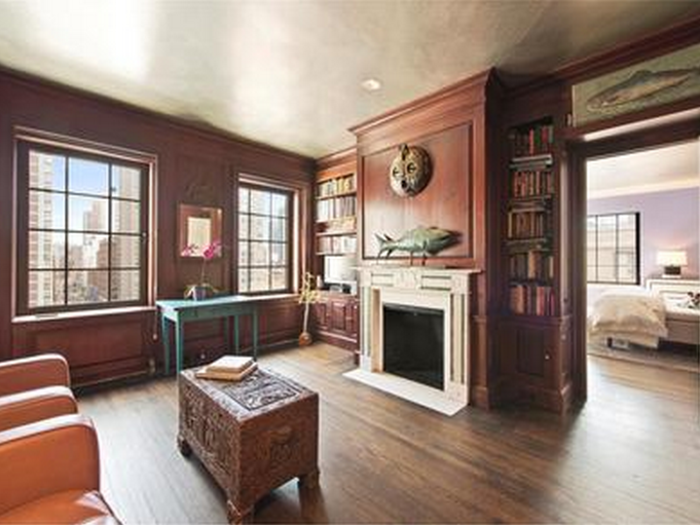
{"x":633,"y":310}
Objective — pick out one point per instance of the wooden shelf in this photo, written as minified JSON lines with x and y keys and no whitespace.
{"x":337,"y":195}
{"x":530,"y":198}
{"x":337,"y":219}
{"x":321,"y":254}
{"x":336,"y":233}
{"x":514,"y":241}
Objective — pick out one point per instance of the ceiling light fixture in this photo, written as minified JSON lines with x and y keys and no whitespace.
{"x":371,"y":84}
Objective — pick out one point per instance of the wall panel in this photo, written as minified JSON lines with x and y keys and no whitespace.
{"x":194,"y":166}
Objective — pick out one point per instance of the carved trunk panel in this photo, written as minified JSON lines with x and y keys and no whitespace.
{"x":252,"y":436}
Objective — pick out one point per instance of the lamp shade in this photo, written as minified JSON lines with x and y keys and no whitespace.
{"x":671,"y":258}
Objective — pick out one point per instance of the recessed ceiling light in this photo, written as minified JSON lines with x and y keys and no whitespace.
{"x":371,"y":84}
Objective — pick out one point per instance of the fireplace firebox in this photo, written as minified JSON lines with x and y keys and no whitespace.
{"x":413,"y":343}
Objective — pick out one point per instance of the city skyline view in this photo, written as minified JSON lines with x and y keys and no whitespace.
{"x":85,"y":231}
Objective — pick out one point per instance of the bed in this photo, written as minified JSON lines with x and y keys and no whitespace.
{"x":645,"y":316}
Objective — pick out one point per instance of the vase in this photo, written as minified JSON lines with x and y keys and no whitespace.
{"x":305,"y":339}
{"x":198,"y":292}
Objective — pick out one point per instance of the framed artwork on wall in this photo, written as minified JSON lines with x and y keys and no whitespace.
{"x":662,"y":80}
{"x":198,"y":227}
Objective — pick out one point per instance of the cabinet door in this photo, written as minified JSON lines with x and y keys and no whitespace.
{"x":337,"y":315}
{"x":529,"y":352}
{"x":320,"y":311}
{"x":352,"y":319}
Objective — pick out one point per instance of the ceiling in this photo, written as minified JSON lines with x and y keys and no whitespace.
{"x":670,"y":167}
{"x":288,"y":73}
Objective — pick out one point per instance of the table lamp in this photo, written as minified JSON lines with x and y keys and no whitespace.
{"x":671,"y":260}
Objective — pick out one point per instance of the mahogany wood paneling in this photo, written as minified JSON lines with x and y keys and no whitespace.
{"x":193,"y":166}
{"x":445,"y":203}
{"x":456,"y":126}
{"x":335,"y":320}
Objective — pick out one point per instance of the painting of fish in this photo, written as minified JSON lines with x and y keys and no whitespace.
{"x":655,"y":82}
{"x":423,"y":241}
{"x":640,"y":85}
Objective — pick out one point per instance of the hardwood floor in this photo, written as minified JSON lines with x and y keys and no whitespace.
{"x":630,"y":454}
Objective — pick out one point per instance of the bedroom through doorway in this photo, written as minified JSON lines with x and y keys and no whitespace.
{"x":643,"y":256}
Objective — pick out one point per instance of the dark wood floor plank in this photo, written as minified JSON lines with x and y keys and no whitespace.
{"x":630,"y":454}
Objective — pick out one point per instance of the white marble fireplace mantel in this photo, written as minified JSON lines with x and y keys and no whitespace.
{"x":419,"y":286}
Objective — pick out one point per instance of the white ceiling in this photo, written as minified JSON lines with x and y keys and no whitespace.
{"x":288,"y":72}
{"x":669,"y":167}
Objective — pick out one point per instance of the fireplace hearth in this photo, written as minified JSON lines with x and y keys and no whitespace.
{"x":414,"y":343}
{"x":414,"y":334}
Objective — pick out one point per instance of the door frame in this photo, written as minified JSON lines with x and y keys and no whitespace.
{"x":579,"y":150}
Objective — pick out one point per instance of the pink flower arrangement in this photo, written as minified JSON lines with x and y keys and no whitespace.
{"x":208,"y":252}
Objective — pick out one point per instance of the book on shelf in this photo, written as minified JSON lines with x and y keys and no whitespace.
{"x":532,"y":265}
{"x":531,"y":299}
{"x":218,"y":375}
{"x":337,"y":186}
{"x":535,"y":139}
{"x":339,"y":244}
{"x":531,"y":183}
{"x":525,"y":224}
{"x":336,"y":208}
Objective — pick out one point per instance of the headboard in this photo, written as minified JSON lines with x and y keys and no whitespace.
{"x":673,"y":289}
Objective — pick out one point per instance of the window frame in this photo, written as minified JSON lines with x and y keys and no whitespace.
{"x":637,"y":244}
{"x":289,"y":193}
{"x":24,"y":145}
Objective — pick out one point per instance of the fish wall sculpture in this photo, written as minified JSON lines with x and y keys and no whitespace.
{"x":423,"y":241}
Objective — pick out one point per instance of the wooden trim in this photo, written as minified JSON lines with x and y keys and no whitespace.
{"x":474,"y":86}
{"x":75,"y":148}
{"x":634,"y":50}
{"x":206,"y":132}
{"x":343,"y":156}
{"x":578,"y":153}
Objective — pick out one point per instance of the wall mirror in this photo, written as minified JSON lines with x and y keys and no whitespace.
{"x":198,"y":227}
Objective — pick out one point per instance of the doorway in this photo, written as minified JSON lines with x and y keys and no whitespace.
{"x":635,"y":204}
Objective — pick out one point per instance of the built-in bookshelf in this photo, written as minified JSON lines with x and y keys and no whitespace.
{"x":336,"y":212}
{"x":530,"y":219}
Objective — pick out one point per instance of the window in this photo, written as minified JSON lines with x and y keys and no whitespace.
{"x":83,"y":220}
{"x":613,"y":248}
{"x":264,"y":239}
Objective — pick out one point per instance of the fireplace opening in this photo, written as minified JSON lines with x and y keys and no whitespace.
{"x":414,"y":343}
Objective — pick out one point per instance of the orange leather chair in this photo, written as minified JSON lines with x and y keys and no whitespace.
{"x":50,"y":473}
{"x":34,"y":388}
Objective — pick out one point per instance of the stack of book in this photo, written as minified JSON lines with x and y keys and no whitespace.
{"x":228,"y":368}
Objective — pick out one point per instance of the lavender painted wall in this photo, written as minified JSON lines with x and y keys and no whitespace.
{"x":668,"y":220}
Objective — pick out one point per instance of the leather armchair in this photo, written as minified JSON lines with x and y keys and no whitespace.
{"x":33,"y":389}
{"x":50,"y":473}
{"x":28,"y":373}
{"x":35,"y":405}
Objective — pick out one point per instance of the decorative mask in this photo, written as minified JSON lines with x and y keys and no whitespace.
{"x":410,"y":171}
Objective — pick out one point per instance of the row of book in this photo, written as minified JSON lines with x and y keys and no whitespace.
{"x":528,"y":224}
{"x":335,"y":208}
{"x":531,"y":183}
{"x":536,"y":140}
{"x":531,"y":265}
{"x":339,"y":244}
{"x":531,"y":299}
{"x":336,"y":186}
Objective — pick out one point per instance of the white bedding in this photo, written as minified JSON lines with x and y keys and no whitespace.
{"x":633,"y":314}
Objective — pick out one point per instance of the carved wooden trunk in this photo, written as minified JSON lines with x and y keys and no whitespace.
{"x":252,"y":436}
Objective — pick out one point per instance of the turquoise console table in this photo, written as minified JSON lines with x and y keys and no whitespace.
{"x":181,"y":311}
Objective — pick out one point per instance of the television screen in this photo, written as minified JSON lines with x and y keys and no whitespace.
{"x":339,"y":269}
